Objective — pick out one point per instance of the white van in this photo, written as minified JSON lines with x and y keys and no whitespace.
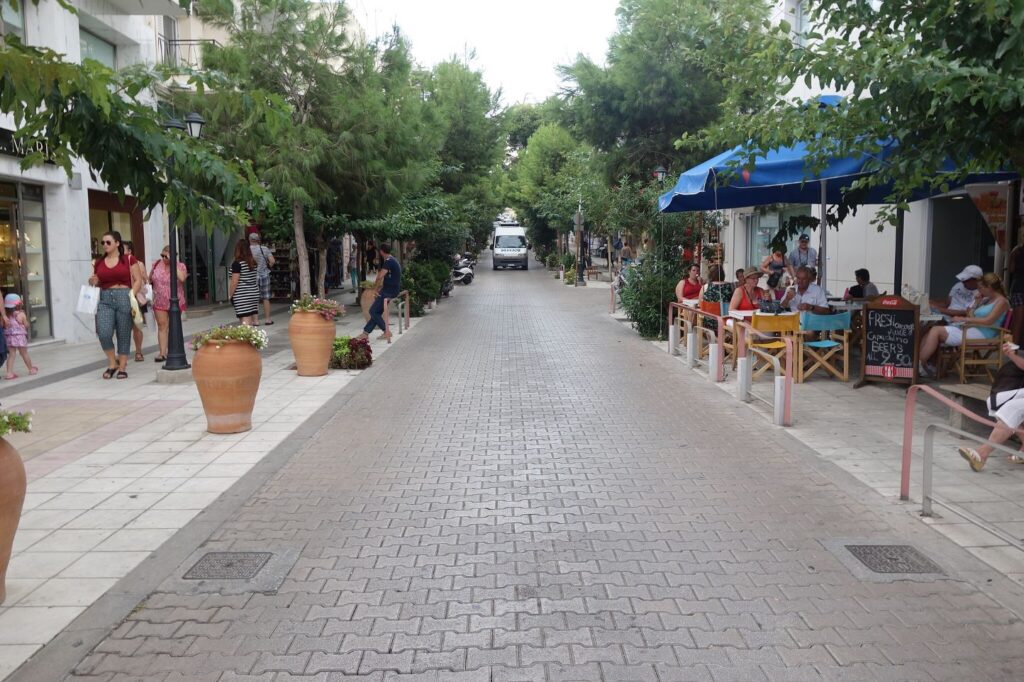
{"x":510,"y":247}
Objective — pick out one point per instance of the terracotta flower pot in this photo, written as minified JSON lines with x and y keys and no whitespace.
{"x":12,"y":496}
{"x":312,"y":339}
{"x":227,"y":374}
{"x":366,"y":299}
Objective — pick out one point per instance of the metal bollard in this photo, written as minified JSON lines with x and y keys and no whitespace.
{"x":673,"y":340}
{"x":779,"y":405}
{"x":691,"y":349}
{"x":714,"y":361}
{"x":743,"y":379}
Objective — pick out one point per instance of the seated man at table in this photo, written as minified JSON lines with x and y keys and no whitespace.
{"x":962,"y":296}
{"x":805,"y":295}
{"x":864,"y":288}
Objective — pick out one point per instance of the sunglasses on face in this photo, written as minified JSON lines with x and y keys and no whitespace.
{"x":164,"y":256}
{"x":107,"y":242}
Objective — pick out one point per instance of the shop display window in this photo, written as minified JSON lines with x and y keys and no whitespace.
{"x":23,"y":264}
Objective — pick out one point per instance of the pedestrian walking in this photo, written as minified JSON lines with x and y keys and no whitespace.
{"x":139,"y":270}
{"x":264,"y":258}
{"x":160,"y":277}
{"x":113,"y":274}
{"x":353,"y":269}
{"x":371,"y":256}
{"x":388,"y":285}
{"x":244,"y":288}
{"x":16,"y":334}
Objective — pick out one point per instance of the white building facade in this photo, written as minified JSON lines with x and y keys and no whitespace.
{"x":50,"y":224}
{"x":941,"y":235}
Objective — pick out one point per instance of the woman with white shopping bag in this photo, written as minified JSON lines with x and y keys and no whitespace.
{"x":118,"y":280}
{"x":143,"y":298}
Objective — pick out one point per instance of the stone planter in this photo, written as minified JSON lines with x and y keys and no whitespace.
{"x":227,"y":374}
{"x":366,"y":299}
{"x":312,"y":339}
{"x":12,"y":496}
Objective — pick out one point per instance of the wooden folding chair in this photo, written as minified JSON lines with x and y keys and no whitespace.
{"x":779,"y":325}
{"x":831,"y":352}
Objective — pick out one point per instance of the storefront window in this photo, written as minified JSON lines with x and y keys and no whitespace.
{"x":23,"y":265}
{"x":763,"y":228}
{"x":98,"y":49}
{"x":14,"y":19}
{"x":102,"y":221}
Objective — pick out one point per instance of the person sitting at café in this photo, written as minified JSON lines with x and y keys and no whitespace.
{"x":747,"y":296}
{"x":738,"y":283}
{"x":716,"y":291}
{"x":982,"y":321}
{"x":1006,"y":404}
{"x":806,"y":295}
{"x":961,"y":296}
{"x":689,"y":287}
{"x":864,"y":287}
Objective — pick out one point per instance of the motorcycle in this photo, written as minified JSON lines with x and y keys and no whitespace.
{"x":462,"y":273}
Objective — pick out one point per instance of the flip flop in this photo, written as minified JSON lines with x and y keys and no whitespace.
{"x":122,"y":374}
{"x":1016,"y":459}
{"x":159,"y":358}
{"x":268,"y":322}
{"x":34,"y":370}
{"x":11,"y":376}
{"x":139,"y":357}
{"x":972,"y":457}
{"x":109,"y":373}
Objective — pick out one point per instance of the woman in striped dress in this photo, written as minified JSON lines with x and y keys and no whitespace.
{"x":244,"y":289}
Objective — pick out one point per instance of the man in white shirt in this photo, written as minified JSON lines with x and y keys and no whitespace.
{"x":806,"y":295}
{"x":962,"y":295}
{"x":264,"y":258}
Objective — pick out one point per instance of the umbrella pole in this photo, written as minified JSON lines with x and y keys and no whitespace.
{"x":897,"y":278}
{"x":823,"y":241}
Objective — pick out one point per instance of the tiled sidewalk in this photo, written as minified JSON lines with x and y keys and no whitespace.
{"x":117,"y":467}
{"x":861,"y":431}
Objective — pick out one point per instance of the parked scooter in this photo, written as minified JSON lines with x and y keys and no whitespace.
{"x":462,"y":273}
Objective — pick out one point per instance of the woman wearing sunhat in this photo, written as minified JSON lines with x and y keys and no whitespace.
{"x":747,"y":296}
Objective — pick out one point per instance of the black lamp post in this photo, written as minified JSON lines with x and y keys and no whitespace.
{"x":660,"y":173}
{"x":580,"y":267}
{"x":176,"y":358}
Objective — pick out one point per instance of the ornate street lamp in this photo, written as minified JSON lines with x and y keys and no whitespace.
{"x":660,"y":173}
{"x":176,"y":358}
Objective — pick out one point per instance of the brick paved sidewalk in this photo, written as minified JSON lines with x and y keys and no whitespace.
{"x":543,"y":496}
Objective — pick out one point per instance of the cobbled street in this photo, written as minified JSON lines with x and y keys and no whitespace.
{"x":526,"y":490}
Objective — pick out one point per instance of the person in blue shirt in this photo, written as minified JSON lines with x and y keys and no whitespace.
{"x":388,"y":285}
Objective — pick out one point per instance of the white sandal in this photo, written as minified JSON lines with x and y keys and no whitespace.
{"x":972,"y":457}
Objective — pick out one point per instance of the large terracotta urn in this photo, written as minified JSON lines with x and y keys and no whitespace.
{"x":312,"y":339}
{"x":366,"y":300}
{"x":12,"y":496}
{"x":227,"y":374}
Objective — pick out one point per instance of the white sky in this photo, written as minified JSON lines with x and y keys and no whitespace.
{"x":518,"y":44}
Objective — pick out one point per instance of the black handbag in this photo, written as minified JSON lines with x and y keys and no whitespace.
{"x":1009,"y":377}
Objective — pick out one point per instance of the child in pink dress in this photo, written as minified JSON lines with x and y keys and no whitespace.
{"x":16,"y":334}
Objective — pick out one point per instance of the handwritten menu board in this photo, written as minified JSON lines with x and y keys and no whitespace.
{"x":891,"y":329}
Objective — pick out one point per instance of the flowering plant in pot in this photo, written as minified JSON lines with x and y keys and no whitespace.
{"x":351,"y":353}
{"x":12,"y":487}
{"x":227,"y":368}
{"x":311,"y":332}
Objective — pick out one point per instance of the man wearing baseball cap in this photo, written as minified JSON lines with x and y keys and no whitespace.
{"x":962,"y":295}
{"x":803,"y":256}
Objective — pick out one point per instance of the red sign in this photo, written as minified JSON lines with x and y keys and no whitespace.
{"x":889,"y":301}
{"x":889,"y":372}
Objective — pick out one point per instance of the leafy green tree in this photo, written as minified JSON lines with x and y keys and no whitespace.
{"x":943,"y":79}
{"x":534,"y":175}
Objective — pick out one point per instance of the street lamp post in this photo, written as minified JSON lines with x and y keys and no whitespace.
{"x":176,"y":358}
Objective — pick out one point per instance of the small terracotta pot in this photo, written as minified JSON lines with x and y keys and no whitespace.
{"x":312,"y":339}
{"x":12,"y":496}
{"x":366,"y":300}
{"x":227,"y":374}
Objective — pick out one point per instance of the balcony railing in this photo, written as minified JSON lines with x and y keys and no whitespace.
{"x":184,"y":53}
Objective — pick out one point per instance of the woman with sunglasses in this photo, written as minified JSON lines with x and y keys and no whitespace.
{"x":114,"y":273}
{"x":160,"y":278}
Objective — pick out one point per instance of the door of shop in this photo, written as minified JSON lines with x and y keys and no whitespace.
{"x":23,"y":263}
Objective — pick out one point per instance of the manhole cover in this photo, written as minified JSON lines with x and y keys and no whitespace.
{"x":893,"y":559}
{"x":228,"y":566}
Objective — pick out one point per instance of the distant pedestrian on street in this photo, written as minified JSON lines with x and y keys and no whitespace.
{"x":244,"y":288}
{"x":371,"y":256}
{"x":16,"y":334}
{"x":388,"y":285}
{"x":160,"y":277}
{"x":139,"y":270}
{"x":113,"y":274}
{"x":353,"y":268}
{"x":264,"y":258}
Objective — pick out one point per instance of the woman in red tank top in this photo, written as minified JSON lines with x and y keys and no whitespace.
{"x":114,"y":273}
{"x":689,"y":287}
{"x":747,"y":296}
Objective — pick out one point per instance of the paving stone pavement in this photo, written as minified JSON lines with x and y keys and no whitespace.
{"x":527,"y":491}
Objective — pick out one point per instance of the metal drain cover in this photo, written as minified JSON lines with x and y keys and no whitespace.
{"x":228,"y":566}
{"x":893,"y":559}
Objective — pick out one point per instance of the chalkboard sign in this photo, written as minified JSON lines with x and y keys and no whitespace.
{"x":890,"y":347}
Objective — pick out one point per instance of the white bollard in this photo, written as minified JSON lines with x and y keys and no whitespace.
{"x":714,"y":360}
{"x":743,"y":379}
{"x":691,"y":349}
{"x":780,"y":396}
{"x":673,"y":339}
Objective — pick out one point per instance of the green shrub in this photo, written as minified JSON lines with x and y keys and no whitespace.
{"x":419,"y":279}
{"x":570,"y":276}
{"x":551,"y":261}
{"x":568,"y":261}
{"x":648,"y":291}
{"x":440,"y":271}
{"x":350,"y":353}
